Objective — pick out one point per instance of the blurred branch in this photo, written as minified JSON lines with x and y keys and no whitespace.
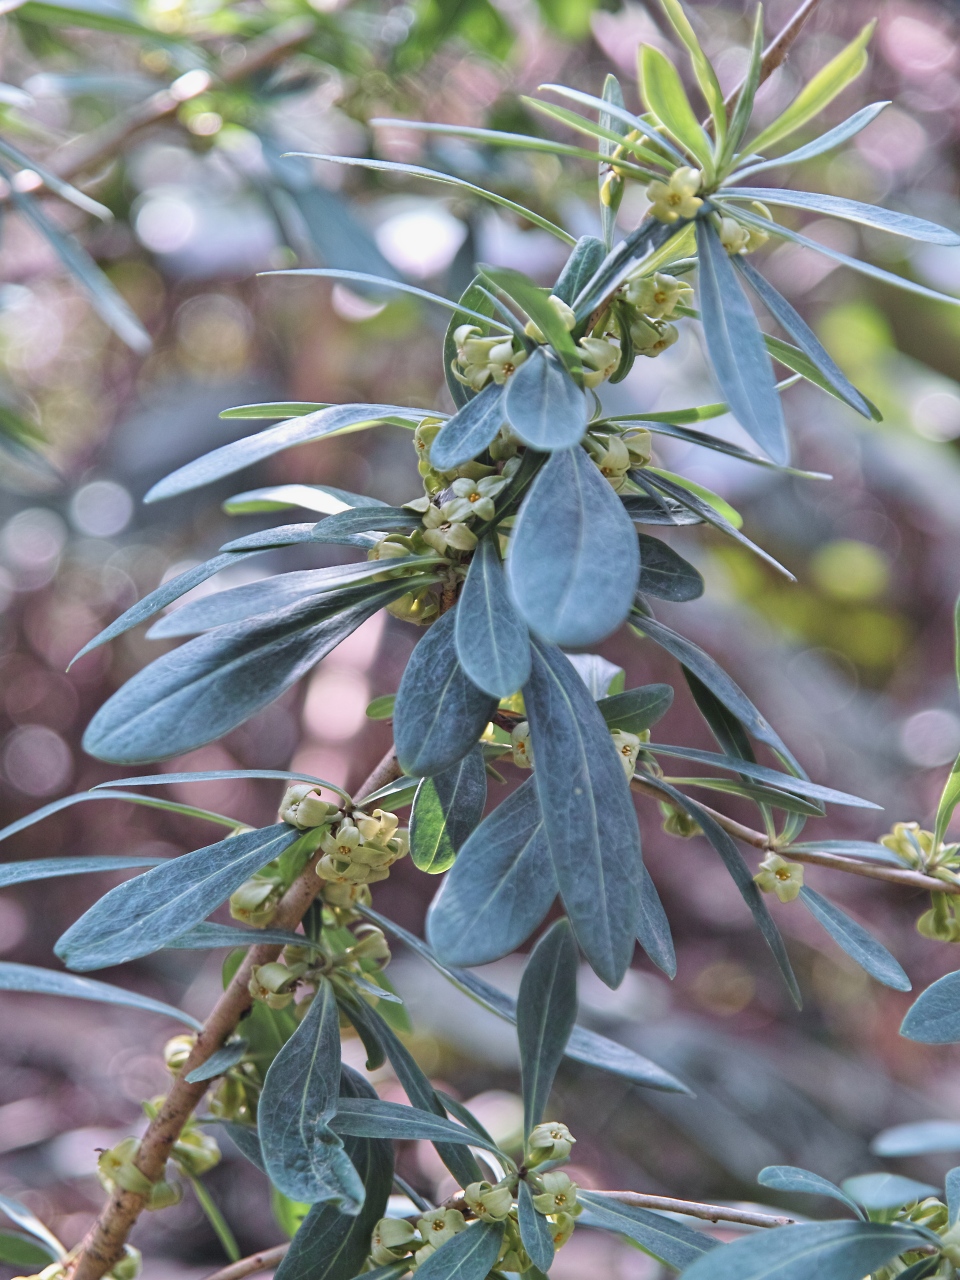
{"x":265,"y":1260}
{"x":775,"y":53}
{"x":692,"y":1208}
{"x":103,"y":1243}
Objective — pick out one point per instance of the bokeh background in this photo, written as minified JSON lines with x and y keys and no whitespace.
{"x":853,"y":663}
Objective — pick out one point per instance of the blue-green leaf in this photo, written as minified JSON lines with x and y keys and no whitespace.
{"x":536,"y":1233}
{"x":544,"y":405}
{"x":293,"y":535}
{"x":619,"y":262}
{"x":665,"y":573}
{"x":583,"y":262}
{"x":304,"y":1159}
{"x":470,"y":430}
{"x":500,"y":887}
{"x":735,"y":346}
{"x":880,"y":1191}
{"x":446,"y":808}
{"x":212,"y":775}
{"x":47,"y":982}
{"x":143,"y":914}
{"x":859,"y":945}
{"x":322,"y":498}
{"x":934,"y":1017}
{"x":653,"y":930}
{"x":787,"y":1177}
{"x":374,"y":1118}
{"x":533,"y":300}
{"x":335,"y":419}
{"x":468,"y":1256}
{"x":439,"y":713}
{"x":868,"y":215}
{"x":952,"y":1187}
{"x":219,"y":1062}
{"x":785,"y":781}
{"x":636,"y":710}
{"x":29,"y":1222}
{"x":574,"y":559}
{"x":48,"y":868}
{"x":588,"y":813}
{"x":672,"y":1242}
{"x":827,"y":1250}
{"x":493,"y":644}
{"x":834,"y":137}
{"x":211,"y":684}
{"x":275,"y":409}
{"x":743,"y":109}
{"x":918,"y":1139}
{"x":546,"y":1012}
{"x":364,"y":520}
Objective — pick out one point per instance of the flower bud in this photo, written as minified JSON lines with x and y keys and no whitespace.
{"x":440,"y":1225}
{"x":563,"y":1226}
{"x":372,"y":945}
{"x":177,"y":1051}
{"x":129,"y":1266}
{"x":392,"y":1239}
{"x":269,"y":983}
{"x":550,"y":1141}
{"x":559,"y":1194}
{"x":678,"y":823}
{"x":628,"y":748}
{"x":783,"y":878}
{"x":116,"y":1168}
{"x":196,"y":1152}
{"x":600,"y":357}
{"x":164,"y":1195}
{"x":489,"y":1203}
{"x":639,"y":444}
{"x":339,"y":894}
{"x":522,"y":746}
{"x":930,"y":1213}
{"x":757,"y":238}
{"x":302,"y":807}
{"x":255,"y":902}
{"x":911,"y":844}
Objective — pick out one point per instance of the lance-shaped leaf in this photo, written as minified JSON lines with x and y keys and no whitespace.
{"x":29,"y":1222}
{"x":468,"y":1256}
{"x":934,"y":1017}
{"x":736,"y":349}
{"x":50,"y":868}
{"x":364,"y":520}
{"x":617,"y":265}
{"x":655,"y":508}
{"x":787,"y":1177}
{"x":784,"y":781}
{"x":492,"y":640}
{"x":211,"y":684}
{"x":859,"y":945}
{"x":546,"y":1012}
{"x":544,"y":405}
{"x":323,"y":498}
{"x":219,"y":1062}
{"x":304,"y":1159}
{"x":827,"y":1250}
{"x":584,"y":1046}
{"x":439,"y":713}
{"x":952,"y":1187}
{"x":702,"y":67}
{"x":574,"y":559}
{"x":336,"y":419}
{"x":584,"y":260}
{"x":880,"y":1191}
{"x":588,"y":813}
{"x":672,"y":1242}
{"x":293,"y":535}
{"x":834,"y":137}
{"x":733,"y":860}
{"x":47,"y":982}
{"x":446,"y":809}
{"x":918,"y":1139}
{"x":636,"y":710}
{"x":470,"y":430}
{"x":500,"y":887}
{"x":867,"y":215}
{"x":664,"y":95}
{"x":665,"y":573}
{"x":743,"y":109}
{"x":111,"y":792}
{"x":274,"y":409}
{"x":536,"y":1233}
{"x":374,"y":1118}
{"x":211,"y":775}
{"x":653,"y":931}
{"x":144,"y":914}
{"x":789,"y":318}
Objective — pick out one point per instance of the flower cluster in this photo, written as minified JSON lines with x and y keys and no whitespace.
{"x":362,"y":848}
{"x":617,"y":454}
{"x":627,"y":746}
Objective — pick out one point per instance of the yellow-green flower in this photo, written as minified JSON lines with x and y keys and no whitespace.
{"x":659,"y":295}
{"x":676,"y":198}
{"x":628,"y":748}
{"x":565,"y":313}
{"x":778,"y":876}
{"x":440,"y":1225}
{"x":392,"y":1239}
{"x":651,"y":339}
{"x":474,"y":498}
{"x":549,"y":1141}
{"x":559,"y":1193}
{"x":600,"y":360}
{"x":521,"y":745}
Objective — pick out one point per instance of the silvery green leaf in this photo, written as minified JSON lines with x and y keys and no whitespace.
{"x":500,"y":887}
{"x":304,"y":1159}
{"x":868,"y":215}
{"x":787,"y":1177}
{"x":219,"y":1062}
{"x":364,"y":520}
{"x":399,"y":793}
{"x":292,"y":535}
{"x":470,"y":430}
{"x":859,"y":945}
{"x":636,"y":710}
{"x":468,"y":1256}
{"x":588,"y":813}
{"x":834,"y":137}
{"x":918,"y":1139}
{"x":735,"y":346}
{"x":952,"y":1186}
{"x":49,"y":868}
{"x":543,"y":404}
{"x":211,"y":684}
{"x":655,"y":508}
{"x":743,"y":108}
{"x":211,"y":775}
{"x":209,"y":936}
{"x":322,"y":498}
{"x":619,"y":262}
{"x":920,"y":1270}
{"x":794,"y":324}
{"x":653,"y":930}
{"x":546,"y":1013}
{"x":672,"y":1242}
{"x":612,"y":108}
{"x":144,"y":914}
{"x":585,"y":258}
{"x":446,"y":808}
{"x":532,"y":300}
{"x":879,"y":1191}
{"x":536,"y":1233}
{"x":700,"y":438}
{"x":934,"y":1017}
{"x":665,"y":573}
{"x":493,"y":644}
{"x":335,"y":419}
{"x":28,"y":1221}
{"x":600,"y":676}
{"x":439,"y":714}
{"x":827,"y":1250}
{"x":584,"y":1046}
{"x":275,"y":409}
{"x":374,"y":1118}
{"x":785,"y":781}
{"x":245,"y":1138}
{"x":47,"y":982}
{"x":574,"y":560}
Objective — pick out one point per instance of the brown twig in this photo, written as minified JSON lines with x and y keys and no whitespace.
{"x":104,"y":1242}
{"x":265,"y":1260}
{"x":693,"y":1209}
{"x":776,"y":51}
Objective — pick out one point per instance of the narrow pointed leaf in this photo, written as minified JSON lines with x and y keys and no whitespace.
{"x":274,"y":409}
{"x":574,"y":559}
{"x":544,"y":405}
{"x":880,"y":1191}
{"x":934,"y":1017}
{"x":500,"y":887}
{"x":787,"y":1177}
{"x":834,"y":137}
{"x":584,"y":260}
{"x":533,"y":300}
{"x":762,"y":773}
{"x":609,"y":201}
{"x":230,"y":1055}
{"x":953,"y":1195}
{"x":665,"y":573}
{"x":588,"y":813}
{"x":664,"y":95}
{"x":918,"y":1139}
{"x":653,"y":929}
{"x":859,"y":945}
{"x":48,"y":982}
{"x":374,"y":1118}
{"x":446,"y":809}
{"x":743,"y":109}
{"x":439,"y":713}
{"x":335,"y":419}
{"x":619,"y":262}
{"x":211,"y":684}
{"x":217,"y":775}
{"x":536,"y":1233}
{"x":546,"y":1013}
{"x":470,"y":430}
{"x":49,"y":868}
{"x":672,"y":1242}
{"x":868,"y":215}
{"x":703,"y":68}
{"x":364,"y":520}
{"x":736,"y":349}
{"x":949,"y":799}
{"x":831,"y":1250}
{"x":143,"y":914}
{"x":29,"y":1222}
{"x":611,"y":108}
{"x":468,"y":1256}
{"x":323,"y":498}
{"x":493,"y":644}
{"x":636,"y":710}
{"x":102,"y":792}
